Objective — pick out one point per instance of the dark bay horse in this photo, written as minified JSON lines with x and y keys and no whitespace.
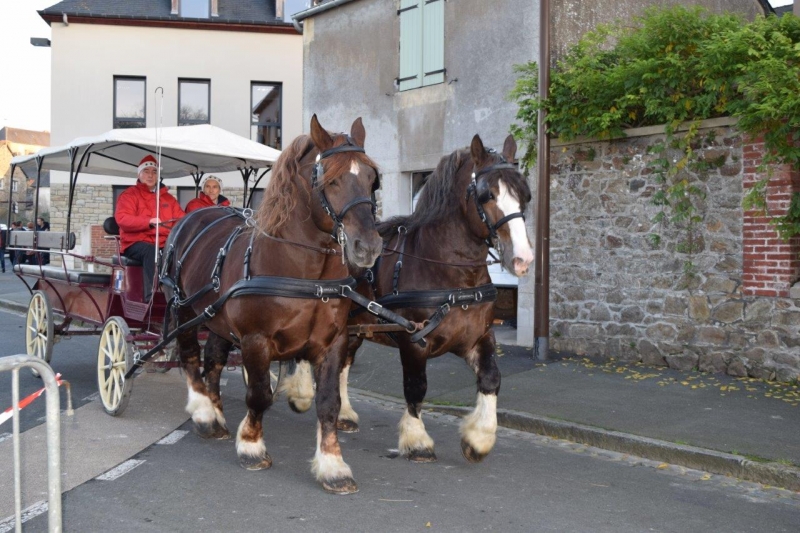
{"x":473,"y":198}
{"x":290,"y":237}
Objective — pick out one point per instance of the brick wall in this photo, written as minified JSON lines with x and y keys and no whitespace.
{"x":771,"y":265}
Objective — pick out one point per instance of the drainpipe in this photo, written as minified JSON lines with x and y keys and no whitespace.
{"x":297,"y":17}
{"x":541,"y":314}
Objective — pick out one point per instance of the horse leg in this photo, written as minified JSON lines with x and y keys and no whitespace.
{"x":215,"y":356}
{"x":348,"y":418}
{"x":479,"y":428}
{"x":250,"y":446}
{"x":299,"y":387}
{"x":414,"y":443}
{"x":199,"y":405}
{"x":328,"y":465}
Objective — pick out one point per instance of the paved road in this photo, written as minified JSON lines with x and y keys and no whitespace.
{"x":529,"y":483}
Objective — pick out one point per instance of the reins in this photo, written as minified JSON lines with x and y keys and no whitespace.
{"x":446,"y":263}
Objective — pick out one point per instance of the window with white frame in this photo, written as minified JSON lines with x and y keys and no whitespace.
{"x":14,"y":185}
{"x":129,"y":102}
{"x":194,"y":102}
{"x":265,"y":113}
{"x":418,"y":181}
{"x":421,"y":43}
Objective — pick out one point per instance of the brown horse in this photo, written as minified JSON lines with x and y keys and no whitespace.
{"x":443,"y":247}
{"x":288,"y":239}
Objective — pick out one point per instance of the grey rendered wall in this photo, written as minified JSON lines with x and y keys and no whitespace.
{"x":351,"y":60}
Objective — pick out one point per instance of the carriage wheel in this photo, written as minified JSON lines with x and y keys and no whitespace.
{"x":114,"y":359}
{"x":39,"y":328}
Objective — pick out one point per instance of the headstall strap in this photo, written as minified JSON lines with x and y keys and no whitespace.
{"x":493,"y":240}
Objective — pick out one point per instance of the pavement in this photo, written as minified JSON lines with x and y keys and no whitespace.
{"x":739,"y":427}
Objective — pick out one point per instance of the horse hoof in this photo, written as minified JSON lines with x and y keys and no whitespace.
{"x":422,"y":456}
{"x":345,"y":485}
{"x":300,"y":406}
{"x":211,"y":430}
{"x":255,"y":463}
{"x":347,"y":426}
{"x":470,"y":454}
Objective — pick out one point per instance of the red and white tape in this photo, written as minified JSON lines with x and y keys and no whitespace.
{"x":25,"y":402}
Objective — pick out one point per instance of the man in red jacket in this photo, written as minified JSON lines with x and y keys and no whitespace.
{"x":137,"y":220}
{"x":210,"y":196}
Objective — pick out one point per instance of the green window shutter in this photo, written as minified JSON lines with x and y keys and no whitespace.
{"x":410,"y":44}
{"x":432,"y":42}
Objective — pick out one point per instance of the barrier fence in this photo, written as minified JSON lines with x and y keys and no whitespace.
{"x":13,"y":363}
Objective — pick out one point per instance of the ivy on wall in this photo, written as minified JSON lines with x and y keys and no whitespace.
{"x":672,"y":66}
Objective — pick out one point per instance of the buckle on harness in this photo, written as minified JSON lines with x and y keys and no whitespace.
{"x":369,"y":276}
{"x":215,"y":283}
{"x":209,"y":312}
{"x":374,"y":308}
{"x":478,"y":296}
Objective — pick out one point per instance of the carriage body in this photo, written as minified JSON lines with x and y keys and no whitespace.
{"x":106,"y":297}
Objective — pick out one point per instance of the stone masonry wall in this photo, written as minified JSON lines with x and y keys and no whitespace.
{"x":614,"y":294}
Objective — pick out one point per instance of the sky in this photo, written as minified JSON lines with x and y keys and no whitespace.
{"x":25,"y":80}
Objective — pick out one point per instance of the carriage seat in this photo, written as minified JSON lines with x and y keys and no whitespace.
{"x":57,"y":273}
{"x":111,"y":227}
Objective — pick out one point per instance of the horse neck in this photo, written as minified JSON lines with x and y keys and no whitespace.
{"x":450,"y":241}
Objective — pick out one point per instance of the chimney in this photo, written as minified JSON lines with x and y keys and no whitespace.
{"x":214,"y":8}
{"x":174,"y":10}
{"x":279,"y":9}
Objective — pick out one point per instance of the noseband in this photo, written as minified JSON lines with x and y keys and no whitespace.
{"x":338,"y":233}
{"x":483,"y":194}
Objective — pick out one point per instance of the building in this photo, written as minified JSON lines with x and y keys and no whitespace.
{"x":14,"y":142}
{"x":427,"y":75}
{"x":232,"y":63}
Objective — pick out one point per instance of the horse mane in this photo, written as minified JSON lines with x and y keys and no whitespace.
{"x":283,"y":192}
{"x":435,"y":202}
{"x":439,"y":200}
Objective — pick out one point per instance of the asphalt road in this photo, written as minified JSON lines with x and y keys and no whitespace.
{"x":528,"y":483}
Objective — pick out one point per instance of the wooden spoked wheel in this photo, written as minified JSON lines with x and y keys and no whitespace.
{"x":114,"y":359}
{"x":39,"y":328}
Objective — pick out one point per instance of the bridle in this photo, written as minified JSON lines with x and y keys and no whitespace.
{"x":338,"y":234}
{"x":480,"y":189}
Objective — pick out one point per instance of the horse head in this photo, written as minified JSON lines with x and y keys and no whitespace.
{"x":496,"y":201}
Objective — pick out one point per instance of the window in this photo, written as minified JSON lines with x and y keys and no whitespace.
{"x":256,"y":198}
{"x":194,"y":102}
{"x":129,"y":102}
{"x":265,"y":117}
{"x":418,"y":181}
{"x":14,"y":185}
{"x":421,"y":43}
{"x":196,"y":9}
{"x":186,"y":195}
{"x":116,"y":190}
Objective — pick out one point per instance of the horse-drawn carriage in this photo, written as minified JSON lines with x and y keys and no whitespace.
{"x":280,"y":285}
{"x":105,"y":294}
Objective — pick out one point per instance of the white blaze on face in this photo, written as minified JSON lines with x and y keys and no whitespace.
{"x":354,"y":168}
{"x":519,"y":237}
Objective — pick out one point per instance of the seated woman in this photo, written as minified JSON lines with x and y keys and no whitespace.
{"x":210,"y":196}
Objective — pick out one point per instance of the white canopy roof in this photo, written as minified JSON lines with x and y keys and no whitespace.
{"x":184,"y":150}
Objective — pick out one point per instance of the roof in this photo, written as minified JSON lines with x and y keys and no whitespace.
{"x":319,"y":6}
{"x":780,"y":11}
{"x":184,"y":150}
{"x":18,"y":135}
{"x":261,"y":12}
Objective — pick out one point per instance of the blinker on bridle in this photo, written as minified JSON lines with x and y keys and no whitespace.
{"x":483,"y":194}
{"x":338,"y":233}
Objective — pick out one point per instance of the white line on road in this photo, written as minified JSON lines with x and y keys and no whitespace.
{"x":5,"y":436}
{"x":91,"y":397}
{"x":28,"y":513}
{"x":173,"y":437}
{"x":120,"y":470}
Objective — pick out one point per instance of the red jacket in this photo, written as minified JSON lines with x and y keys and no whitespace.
{"x":204,"y":201}
{"x":136,"y":206}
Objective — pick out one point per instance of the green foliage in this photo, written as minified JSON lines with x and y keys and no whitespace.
{"x":672,"y":66}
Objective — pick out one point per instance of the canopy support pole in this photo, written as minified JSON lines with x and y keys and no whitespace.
{"x":10,"y":196}
{"x":39,"y":163}
{"x":258,"y":180}
{"x":197,"y":176}
{"x":73,"y":181}
{"x":246,"y":173}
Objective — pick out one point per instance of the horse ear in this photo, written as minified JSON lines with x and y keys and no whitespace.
{"x":357,"y":132}
{"x":477,"y":150}
{"x":509,"y":149}
{"x":322,"y":139}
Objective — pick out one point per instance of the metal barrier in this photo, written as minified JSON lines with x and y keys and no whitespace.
{"x":14,"y":363}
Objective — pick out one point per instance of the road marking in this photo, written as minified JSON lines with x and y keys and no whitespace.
{"x":28,"y":513}
{"x":5,"y":436}
{"x":120,"y":470}
{"x":91,"y":397}
{"x":173,"y":437}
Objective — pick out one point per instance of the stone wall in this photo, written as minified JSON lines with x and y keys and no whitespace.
{"x":614,"y":294}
